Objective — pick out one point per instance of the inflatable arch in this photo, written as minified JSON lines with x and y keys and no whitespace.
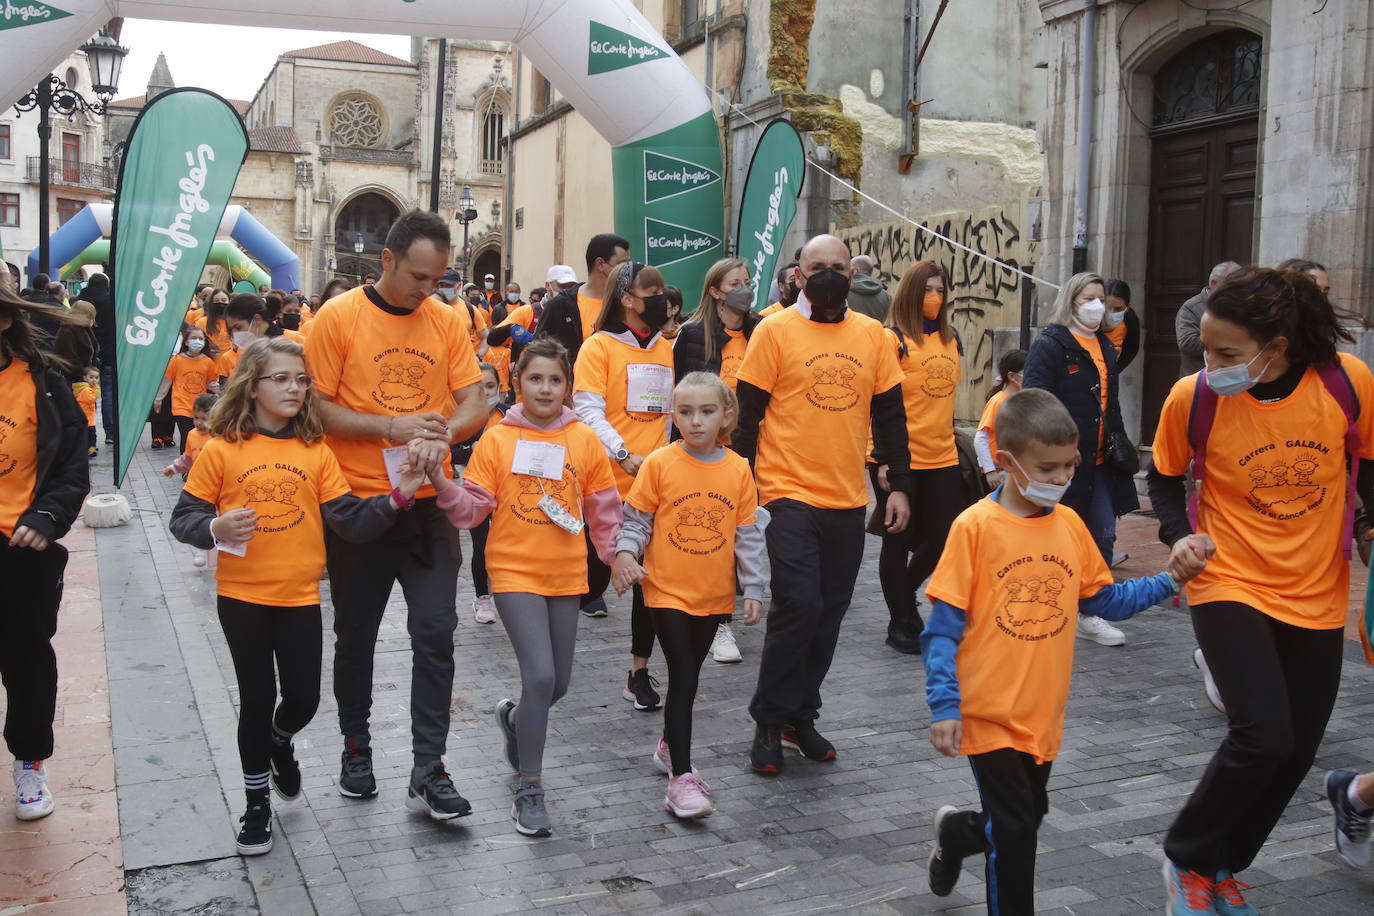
{"x":83,"y":232}
{"x":223,"y":253}
{"x":603,"y":55}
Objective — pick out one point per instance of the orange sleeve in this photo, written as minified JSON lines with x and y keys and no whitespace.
{"x":1363,"y":383}
{"x":592,"y":371}
{"x":484,"y":466}
{"x":331,"y":483}
{"x":1095,"y":575}
{"x":323,"y":354}
{"x":990,"y":412}
{"x":748,"y":502}
{"x":953,"y":579}
{"x":171,"y":369}
{"x":1172,"y":451}
{"x":598,"y":464}
{"x":644,"y":492}
{"x":888,"y":372}
{"x":207,"y":474}
{"x":760,"y":365}
{"x":462,"y":357}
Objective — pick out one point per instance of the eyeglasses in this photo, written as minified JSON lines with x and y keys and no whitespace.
{"x":284,"y":379}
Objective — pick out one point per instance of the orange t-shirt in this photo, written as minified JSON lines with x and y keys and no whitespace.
{"x":374,"y":362}
{"x":85,"y":396}
{"x":731,"y":357}
{"x":1273,"y":498}
{"x":473,"y":322}
{"x":590,"y":310}
{"x":500,"y":358}
{"x":989,"y":420}
{"x":696,"y":505}
{"x":526,"y":552}
{"x":228,"y":361}
{"x":931,"y":373}
{"x":18,"y":443}
{"x":284,"y":481}
{"x":191,"y":377}
{"x":195,"y":442}
{"x":1094,"y":348}
{"x":771,"y":310}
{"x":604,"y":367}
{"x":295,"y":336}
{"x":522,"y":315}
{"x":821,"y":379}
{"x":1117,"y":336}
{"x":194,"y":314}
{"x":223,"y":341}
{"x":1019,"y":581}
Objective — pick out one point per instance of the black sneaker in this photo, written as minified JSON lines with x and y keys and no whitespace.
{"x":157,"y":444}
{"x":286,"y":773}
{"x":356,"y":779}
{"x":765,"y":757}
{"x":943,"y":867}
{"x":594,"y":608}
{"x":504,"y":710}
{"x":805,"y":740}
{"x":639,"y":689}
{"x":904,"y":640}
{"x":530,"y":816}
{"x":435,"y":795}
{"x":255,"y":834}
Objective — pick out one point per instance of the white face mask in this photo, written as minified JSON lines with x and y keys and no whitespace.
{"x":493,"y":401}
{"x":489,"y":285}
{"x":1112,"y":319}
{"x":195,"y":345}
{"x":1090,"y":314}
{"x":1037,"y":492}
{"x":243,"y":338}
{"x":512,"y":298}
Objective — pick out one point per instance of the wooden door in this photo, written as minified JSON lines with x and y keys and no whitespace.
{"x":1202,"y":212}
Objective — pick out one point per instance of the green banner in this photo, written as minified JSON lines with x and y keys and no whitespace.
{"x":669,"y":203}
{"x":17,"y":15}
{"x":182,"y":159}
{"x":611,"y":49}
{"x":776,"y":175}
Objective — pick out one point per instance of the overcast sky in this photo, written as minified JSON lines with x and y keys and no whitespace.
{"x":230,"y":60}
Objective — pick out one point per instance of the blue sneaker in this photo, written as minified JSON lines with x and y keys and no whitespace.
{"x":1352,"y":827}
{"x":1227,"y":899}
{"x":1188,"y":892}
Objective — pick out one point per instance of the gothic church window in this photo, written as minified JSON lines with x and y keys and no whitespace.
{"x":356,"y":120}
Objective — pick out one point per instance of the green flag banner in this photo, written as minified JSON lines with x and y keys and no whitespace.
{"x":17,"y":15}
{"x":182,"y":159}
{"x":776,"y":175}
{"x":611,"y":49}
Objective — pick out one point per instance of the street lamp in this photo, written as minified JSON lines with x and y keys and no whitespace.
{"x":105,"y":56}
{"x":467,"y":212}
{"x":358,"y":247}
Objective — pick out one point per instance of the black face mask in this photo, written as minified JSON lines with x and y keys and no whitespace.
{"x":787,"y":294}
{"x":655,"y":312}
{"x":827,"y":290}
{"x":290,"y":320}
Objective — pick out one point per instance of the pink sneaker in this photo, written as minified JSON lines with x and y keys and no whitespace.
{"x":688,"y":796}
{"x":663,"y":761}
{"x":483,"y":610}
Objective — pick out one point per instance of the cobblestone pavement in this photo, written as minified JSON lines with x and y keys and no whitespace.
{"x":852,"y":835}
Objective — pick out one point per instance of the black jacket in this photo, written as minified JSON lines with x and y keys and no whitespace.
{"x":45,"y":323}
{"x":563,"y":321}
{"x":689,"y":349}
{"x":1060,"y":364}
{"x":99,"y":296}
{"x":63,"y":468}
{"x":1130,"y":345}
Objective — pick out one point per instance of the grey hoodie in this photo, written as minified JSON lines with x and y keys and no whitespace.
{"x":867,"y":297}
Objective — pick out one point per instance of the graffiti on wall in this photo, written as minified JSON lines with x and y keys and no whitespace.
{"x":983,"y":295}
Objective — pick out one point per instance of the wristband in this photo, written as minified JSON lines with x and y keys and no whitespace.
{"x":389,"y":422}
{"x":1177,"y":586}
{"x":402,"y":503}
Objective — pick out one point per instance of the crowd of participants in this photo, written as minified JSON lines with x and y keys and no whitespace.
{"x":589,"y":438}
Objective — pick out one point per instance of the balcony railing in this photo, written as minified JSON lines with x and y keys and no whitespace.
{"x":375,"y":156}
{"x":72,"y":174}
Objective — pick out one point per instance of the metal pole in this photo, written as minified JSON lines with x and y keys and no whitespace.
{"x":1087,"y":86}
{"x":465,"y":248}
{"x":441,"y":65}
{"x":1027,"y":308}
{"x":44,"y":133}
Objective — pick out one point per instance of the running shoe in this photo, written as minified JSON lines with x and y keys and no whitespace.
{"x":483,"y":610}
{"x":688,"y":797}
{"x":286,"y":773}
{"x":765,"y":756}
{"x":197,"y":558}
{"x":1118,"y":557}
{"x":157,"y":444}
{"x":1228,"y":900}
{"x":528,"y":811}
{"x":942,"y":868}
{"x":1099,"y":631}
{"x":431,"y":791}
{"x":805,"y":740}
{"x":1352,"y":827}
{"x":355,"y":777}
{"x":1209,"y":685}
{"x":32,"y":799}
{"x":724,"y":649}
{"x":505,"y":711}
{"x":594,"y":608}
{"x":255,"y":834}
{"x":663,"y":761}
{"x":639,"y":689}
{"x":1189,"y":893}
{"x":903,"y":639}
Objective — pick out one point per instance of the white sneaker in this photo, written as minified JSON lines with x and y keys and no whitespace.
{"x":1099,"y":631}
{"x":724,"y":649}
{"x":198,"y":558}
{"x":32,"y":799}
{"x":1213,"y":694}
{"x":483,"y":610}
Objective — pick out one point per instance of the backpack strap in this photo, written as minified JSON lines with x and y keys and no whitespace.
{"x":1339,"y":386}
{"x":1200,"y":420}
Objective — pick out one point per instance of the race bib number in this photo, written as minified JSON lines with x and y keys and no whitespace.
{"x":649,"y":388}
{"x":539,"y":459}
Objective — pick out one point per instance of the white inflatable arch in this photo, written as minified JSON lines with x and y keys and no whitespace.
{"x":603,"y":55}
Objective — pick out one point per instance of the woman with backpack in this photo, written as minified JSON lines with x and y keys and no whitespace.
{"x":1274,"y":428}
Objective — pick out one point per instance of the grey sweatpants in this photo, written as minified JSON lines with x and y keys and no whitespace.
{"x":543,"y":632}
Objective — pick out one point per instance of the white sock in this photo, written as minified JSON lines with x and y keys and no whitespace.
{"x":1356,"y":802}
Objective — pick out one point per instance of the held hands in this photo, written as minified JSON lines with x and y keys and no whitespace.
{"x":235,"y":526}
{"x":428,"y":455}
{"x":626,"y":573}
{"x":418,"y":426}
{"x":169,"y":470}
{"x":946,"y":736}
{"x":1190,"y":556}
{"x":412,"y":478}
{"x":753,"y":611}
{"x":24,"y":536}
{"x":631,"y":464}
{"x":898,"y":513}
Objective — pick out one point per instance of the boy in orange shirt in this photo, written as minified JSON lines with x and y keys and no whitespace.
{"x":87,"y":393}
{"x":998,"y":646}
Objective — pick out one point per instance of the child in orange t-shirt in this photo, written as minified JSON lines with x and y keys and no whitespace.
{"x":87,"y":394}
{"x":998,"y":647}
{"x":195,"y":441}
{"x":483,"y":609}
{"x":261,"y":492}
{"x":192,"y":372}
{"x":693,"y":515}
{"x":540,"y":474}
{"x":1009,"y":371}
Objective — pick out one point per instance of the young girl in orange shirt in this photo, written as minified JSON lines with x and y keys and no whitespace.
{"x":195,"y":441}
{"x":541,"y":475}
{"x":1009,"y":369}
{"x":192,"y":372}
{"x":693,"y":515}
{"x":261,"y":491}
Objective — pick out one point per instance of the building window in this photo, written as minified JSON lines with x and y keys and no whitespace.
{"x":66,"y":209}
{"x":1214,"y":78}
{"x":5,"y":151}
{"x":493,"y":141}
{"x":542,"y":99}
{"x":71,"y":158}
{"x":9,"y":209}
{"x":356,"y":121}
{"x":72,"y":79}
{"x":691,"y":12}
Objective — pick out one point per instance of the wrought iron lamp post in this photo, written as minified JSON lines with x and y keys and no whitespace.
{"x":467,"y":212}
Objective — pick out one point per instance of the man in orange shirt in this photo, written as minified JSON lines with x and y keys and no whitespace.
{"x":399,"y":381}
{"x":814,"y":378}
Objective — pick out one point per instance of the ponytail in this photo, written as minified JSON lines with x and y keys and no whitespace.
{"x":1011,"y":361}
{"x":1284,"y":303}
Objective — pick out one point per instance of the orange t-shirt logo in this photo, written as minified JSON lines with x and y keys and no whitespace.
{"x":401,"y":380}
{"x":526,"y":504}
{"x":1033,"y":601}
{"x":1282,"y":487}
{"x":833,"y":376}
{"x":7,"y":463}
{"x":941,"y":375}
{"x":272,"y":495}
{"x":696,"y":529}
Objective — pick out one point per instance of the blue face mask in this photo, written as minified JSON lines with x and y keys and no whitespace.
{"x":1231,"y":380}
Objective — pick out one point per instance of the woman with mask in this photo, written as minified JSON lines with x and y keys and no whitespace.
{"x":622,"y":389}
{"x":1121,"y":323}
{"x":932,"y":364}
{"x":1268,"y":428}
{"x":1074,"y":359}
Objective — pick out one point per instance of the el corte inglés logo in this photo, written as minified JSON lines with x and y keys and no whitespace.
{"x":18,"y":15}
{"x":667,"y":176}
{"x":668,"y":243}
{"x":611,"y":49}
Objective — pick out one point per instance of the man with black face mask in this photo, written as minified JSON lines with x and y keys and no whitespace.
{"x":821,"y":376}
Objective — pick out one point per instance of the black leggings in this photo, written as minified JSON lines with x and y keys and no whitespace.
{"x":258,"y":636}
{"x":641,"y":626}
{"x":480,"y":584}
{"x":1279,"y":683}
{"x":28,"y":665}
{"x":907,"y":559}
{"x":164,"y":424}
{"x":184,"y":427}
{"x":598,"y":573}
{"x":686,"y":639}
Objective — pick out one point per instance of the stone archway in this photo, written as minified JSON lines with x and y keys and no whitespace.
{"x":364,"y":218}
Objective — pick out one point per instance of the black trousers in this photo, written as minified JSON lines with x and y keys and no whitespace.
{"x":1011,"y":786}
{"x":815,"y":556}
{"x":598,"y":573}
{"x":28,"y":666}
{"x":907,"y":559}
{"x":164,"y":424}
{"x":107,"y":394}
{"x":642,"y":626}
{"x":268,"y":643}
{"x":1279,"y":684}
{"x":686,"y":640}
{"x":184,"y":427}
{"x":422,"y":553}
{"x":481,"y":585}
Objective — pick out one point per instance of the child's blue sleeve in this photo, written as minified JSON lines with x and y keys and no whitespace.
{"x":939,"y":645}
{"x":1126,"y":599}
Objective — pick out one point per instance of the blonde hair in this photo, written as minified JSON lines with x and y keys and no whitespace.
{"x":1062,"y":310}
{"x":722,"y":391}
{"x":234,"y":417}
{"x":706,"y":314}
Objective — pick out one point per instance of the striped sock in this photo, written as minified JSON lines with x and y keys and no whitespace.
{"x":255,"y":789}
